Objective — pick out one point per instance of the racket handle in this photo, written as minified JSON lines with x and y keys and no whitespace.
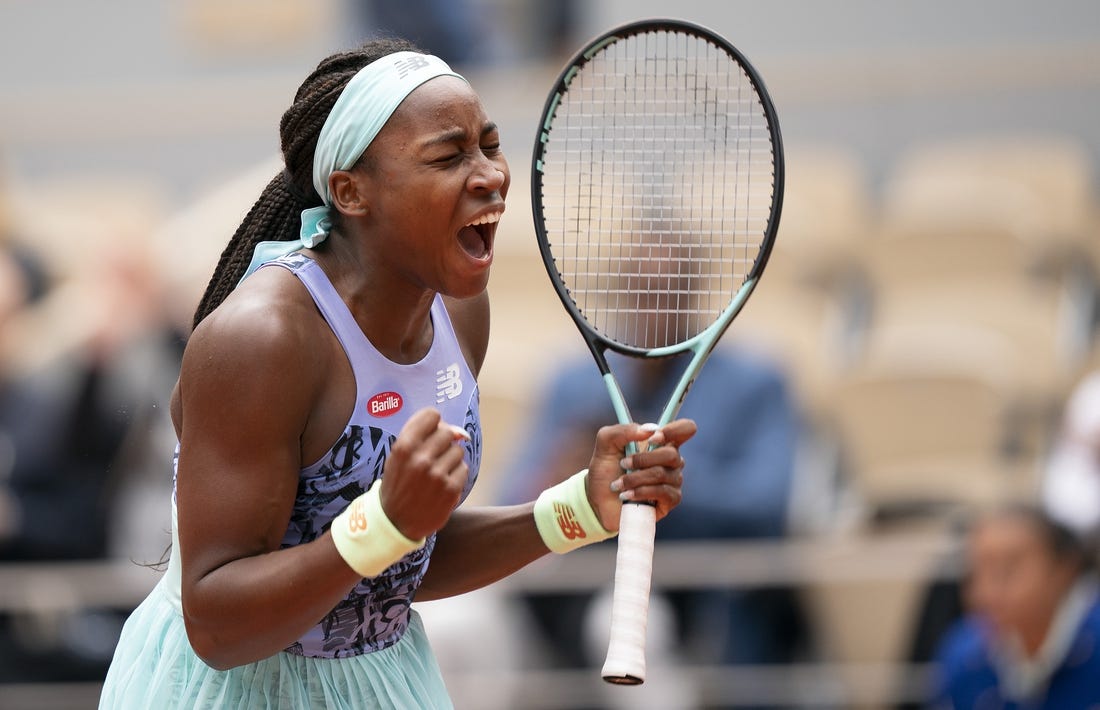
{"x":625,"y":664}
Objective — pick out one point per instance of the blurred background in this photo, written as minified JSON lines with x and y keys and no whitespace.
{"x":931,"y":304}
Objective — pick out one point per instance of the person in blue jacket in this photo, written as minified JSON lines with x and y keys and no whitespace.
{"x":1031,"y":637}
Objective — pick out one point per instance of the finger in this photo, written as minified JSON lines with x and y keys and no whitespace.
{"x":618,"y":436}
{"x":420,"y":425}
{"x":656,"y":476}
{"x":664,"y":497}
{"x":427,"y":444}
{"x":679,"y":431}
{"x":459,"y":433}
{"x":450,"y":459}
{"x":412,"y":445}
{"x":451,"y":463}
{"x":438,"y":460}
{"x":662,"y":456}
{"x":656,"y":437}
{"x":449,"y":433}
{"x":435,"y":442}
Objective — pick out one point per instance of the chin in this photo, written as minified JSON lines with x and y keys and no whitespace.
{"x":469,"y":288}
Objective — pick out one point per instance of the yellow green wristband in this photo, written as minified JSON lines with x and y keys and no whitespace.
{"x":366,"y":538}
{"x":565,"y":518}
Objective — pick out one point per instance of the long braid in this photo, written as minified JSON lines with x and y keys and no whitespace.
{"x":276,"y":215}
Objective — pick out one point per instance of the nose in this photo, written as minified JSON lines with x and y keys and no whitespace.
{"x":488,"y":175}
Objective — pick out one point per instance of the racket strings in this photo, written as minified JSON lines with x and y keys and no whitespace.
{"x":657,"y":182}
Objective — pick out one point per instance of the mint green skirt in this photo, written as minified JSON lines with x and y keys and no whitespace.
{"x":155,"y":667}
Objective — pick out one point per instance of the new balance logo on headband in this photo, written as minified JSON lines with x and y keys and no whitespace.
{"x":410,"y":64}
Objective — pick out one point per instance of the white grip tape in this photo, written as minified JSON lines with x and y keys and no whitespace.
{"x":366,"y":538}
{"x":625,"y":662}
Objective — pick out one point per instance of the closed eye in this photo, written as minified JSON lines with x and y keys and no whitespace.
{"x":491,"y":150}
{"x":454,"y":144}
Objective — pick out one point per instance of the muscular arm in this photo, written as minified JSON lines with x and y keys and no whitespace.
{"x":246,"y":392}
{"x":479,"y":546}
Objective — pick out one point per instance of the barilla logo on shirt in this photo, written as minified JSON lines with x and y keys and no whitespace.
{"x":384,"y":404}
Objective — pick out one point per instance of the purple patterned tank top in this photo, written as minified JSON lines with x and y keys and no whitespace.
{"x":375,"y":613}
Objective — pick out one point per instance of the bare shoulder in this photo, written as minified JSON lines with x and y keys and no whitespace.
{"x":271,"y":314}
{"x":255,"y":343}
{"x":470,"y":318}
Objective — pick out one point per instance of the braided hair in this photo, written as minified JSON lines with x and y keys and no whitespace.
{"x":276,"y":214}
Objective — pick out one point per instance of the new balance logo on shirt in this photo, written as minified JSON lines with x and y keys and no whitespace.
{"x":448,"y":383}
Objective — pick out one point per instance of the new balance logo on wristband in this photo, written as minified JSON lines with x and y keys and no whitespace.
{"x":370,"y":554}
{"x":567,"y":521}
{"x":357,"y":517}
{"x":565,"y":517}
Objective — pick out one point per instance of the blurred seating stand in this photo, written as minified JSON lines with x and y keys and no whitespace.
{"x":847,"y":565}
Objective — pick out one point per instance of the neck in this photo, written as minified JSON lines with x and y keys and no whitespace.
{"x":401,"y":330}
{"x":1031,"y":639}
{"x":394,"y":314}
{"x":1036,"y":635}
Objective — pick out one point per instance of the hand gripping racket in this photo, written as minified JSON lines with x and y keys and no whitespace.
{"x":657,"y":183}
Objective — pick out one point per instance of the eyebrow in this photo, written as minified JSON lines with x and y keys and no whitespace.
{"x":456,"y":134}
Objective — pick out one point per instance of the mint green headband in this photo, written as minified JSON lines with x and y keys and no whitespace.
{"x":360,"y":112}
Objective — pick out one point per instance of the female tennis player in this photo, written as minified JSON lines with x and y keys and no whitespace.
{"x":327,"y":415}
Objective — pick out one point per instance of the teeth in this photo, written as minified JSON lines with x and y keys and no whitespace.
{"x":486,"y":219}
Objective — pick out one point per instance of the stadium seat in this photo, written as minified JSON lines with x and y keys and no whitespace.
{"x":930,"y":421}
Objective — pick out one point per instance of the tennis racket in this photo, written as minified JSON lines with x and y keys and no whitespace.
{"x":656,"y":183}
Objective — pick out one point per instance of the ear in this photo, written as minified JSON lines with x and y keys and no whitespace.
{"x":349,"y":190}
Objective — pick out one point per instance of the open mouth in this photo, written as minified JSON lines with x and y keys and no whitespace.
{"x":476,"y":238}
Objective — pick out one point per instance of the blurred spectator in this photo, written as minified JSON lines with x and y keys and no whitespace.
{"x":1031,"y":638}
{"x":53,"y":476}
{"x":1070,"y":495}
{"x":737,"y":483}
{"x":81,"y":360}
